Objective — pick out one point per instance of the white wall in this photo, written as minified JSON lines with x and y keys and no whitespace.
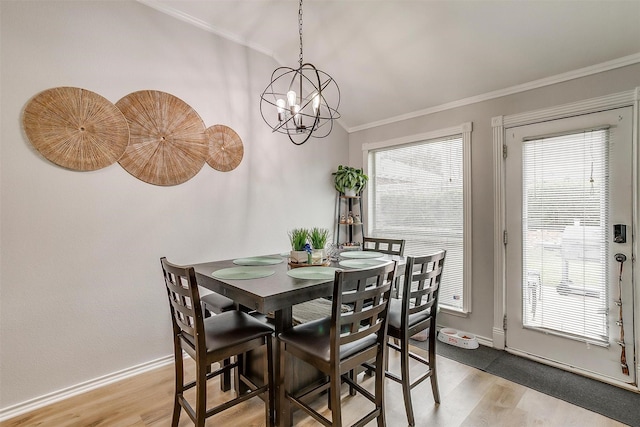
{"x":81,"y":292}
{"x":480,"y":320}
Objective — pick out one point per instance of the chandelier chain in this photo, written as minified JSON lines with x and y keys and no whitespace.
{"x":300,"y":30}
{"x":306,"y":99}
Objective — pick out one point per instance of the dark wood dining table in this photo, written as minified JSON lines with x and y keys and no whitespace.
{"x":276,"y":293}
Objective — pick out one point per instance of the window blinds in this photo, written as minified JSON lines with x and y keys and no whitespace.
{"x":565,"y":233}
{"x":417,"y":195}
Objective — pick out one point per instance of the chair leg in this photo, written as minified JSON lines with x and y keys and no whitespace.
{"x":179,"y":386}
{"x":406,"y":380}
{"x":225,"y":384}
{"x":268,"y":378}
{"x":334,"y":391}
{"x":284,"y":417}
{"x":201,"y":394}
{"x":432,"y":367}
{"x":239,"y":386}
{"x":381,"y":362}
{"x":352,"y":377}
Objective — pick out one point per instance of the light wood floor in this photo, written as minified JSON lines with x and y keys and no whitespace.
{"x":469,"y":397}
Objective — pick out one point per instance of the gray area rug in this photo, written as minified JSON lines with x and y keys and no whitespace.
{"x":610,"y":401}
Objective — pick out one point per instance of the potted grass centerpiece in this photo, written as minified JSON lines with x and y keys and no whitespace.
{"x":298,"y":238}
{"x":318,"y":238}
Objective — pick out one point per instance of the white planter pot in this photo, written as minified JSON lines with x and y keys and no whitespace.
{"x":299,"y":257}
{"x":317,"y":256}
{"x":350,"y":192}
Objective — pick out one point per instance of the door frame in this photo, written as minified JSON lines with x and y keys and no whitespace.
{"x":500,"y":125}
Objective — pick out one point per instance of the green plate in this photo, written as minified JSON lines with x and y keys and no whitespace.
{"x":242,"y":273}
{"x":313,"y":273}
{"x":361,"y":254}
{"x":258,"y":260}
{"x":362,"y":263}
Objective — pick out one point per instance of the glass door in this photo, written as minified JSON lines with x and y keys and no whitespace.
{"x":569,"y":213}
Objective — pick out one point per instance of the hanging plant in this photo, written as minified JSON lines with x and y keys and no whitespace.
{"x":349,"y":178}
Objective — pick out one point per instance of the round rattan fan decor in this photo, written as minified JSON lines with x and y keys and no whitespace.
{"x":167,"y":144}
{"x":76,"y":128}
{"x":225,"y":148}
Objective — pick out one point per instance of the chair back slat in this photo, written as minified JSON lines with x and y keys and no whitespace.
{"x":421,"y":285}
{"x":184,"y":301}
{"x":386,"y":246}
{"x":367,"y":292}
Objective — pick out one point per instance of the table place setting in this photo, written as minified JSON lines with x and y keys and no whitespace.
{"x":312,"y":273}
{"x":242,"y":273}
{"x":258,"y":260}
{"x":361,"y":254}
{"x":362,"y":263}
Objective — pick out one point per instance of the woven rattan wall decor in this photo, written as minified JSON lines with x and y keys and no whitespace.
{"x":76,"y":128}
{"x":225,"y":148}
{"x":167,"y":144}
{"x":153,"y":135}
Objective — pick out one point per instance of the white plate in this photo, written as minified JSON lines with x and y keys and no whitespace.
{"x":362,"y":263}
{"x":312,"y":273}
{"x":258,"y":260}
{"x":361,"y":254}
{"x":242,"y":273}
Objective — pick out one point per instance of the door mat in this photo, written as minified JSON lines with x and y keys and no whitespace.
{"x":612,"y":402}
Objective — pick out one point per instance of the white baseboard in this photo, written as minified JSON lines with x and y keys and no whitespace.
{"x":498,"y":338}
{"x":57,"y":396}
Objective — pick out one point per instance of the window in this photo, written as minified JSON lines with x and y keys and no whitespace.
{"x":419,"y":191}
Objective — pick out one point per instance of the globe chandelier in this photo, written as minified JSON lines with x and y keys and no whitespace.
{"x":301,"y":102}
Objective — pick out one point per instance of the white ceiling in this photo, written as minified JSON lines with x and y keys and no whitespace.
{"x":397,"y":58}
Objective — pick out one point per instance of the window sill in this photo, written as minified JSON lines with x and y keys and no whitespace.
{"x":453,"y":312}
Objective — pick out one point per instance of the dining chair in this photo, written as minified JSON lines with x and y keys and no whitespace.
{"x":342,"y":342}
{"x":215,"y":303}
{"x":413,"y":313}
{"x":386,"y":246}
{"x":389,"y":247}
{"x":212,"y":304}
{"x":226,"y":335}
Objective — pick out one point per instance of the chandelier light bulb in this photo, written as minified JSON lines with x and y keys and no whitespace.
{"x":297,"y":118}
{"x":316,"y":103}
{"x":280,"y":104}
{"x":291,"y":99}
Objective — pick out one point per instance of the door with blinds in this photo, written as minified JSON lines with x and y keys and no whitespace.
{"x":569,"y":198}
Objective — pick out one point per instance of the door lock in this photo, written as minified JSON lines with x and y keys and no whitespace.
{"x":619,"y":233}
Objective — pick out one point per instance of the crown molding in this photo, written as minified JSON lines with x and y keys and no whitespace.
{"x":175,"y":13}
{"x":559,"y":78}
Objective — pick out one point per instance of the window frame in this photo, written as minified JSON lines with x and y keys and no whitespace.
{"x":463,"y":130}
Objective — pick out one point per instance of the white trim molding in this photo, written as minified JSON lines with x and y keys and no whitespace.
{"x":500,"y":124}
{"x":203,"y":25}
{"x":547,"y":81}
{"x":559,"y":78}
{"x":57,"y":396}
{"x":499,"y":308}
